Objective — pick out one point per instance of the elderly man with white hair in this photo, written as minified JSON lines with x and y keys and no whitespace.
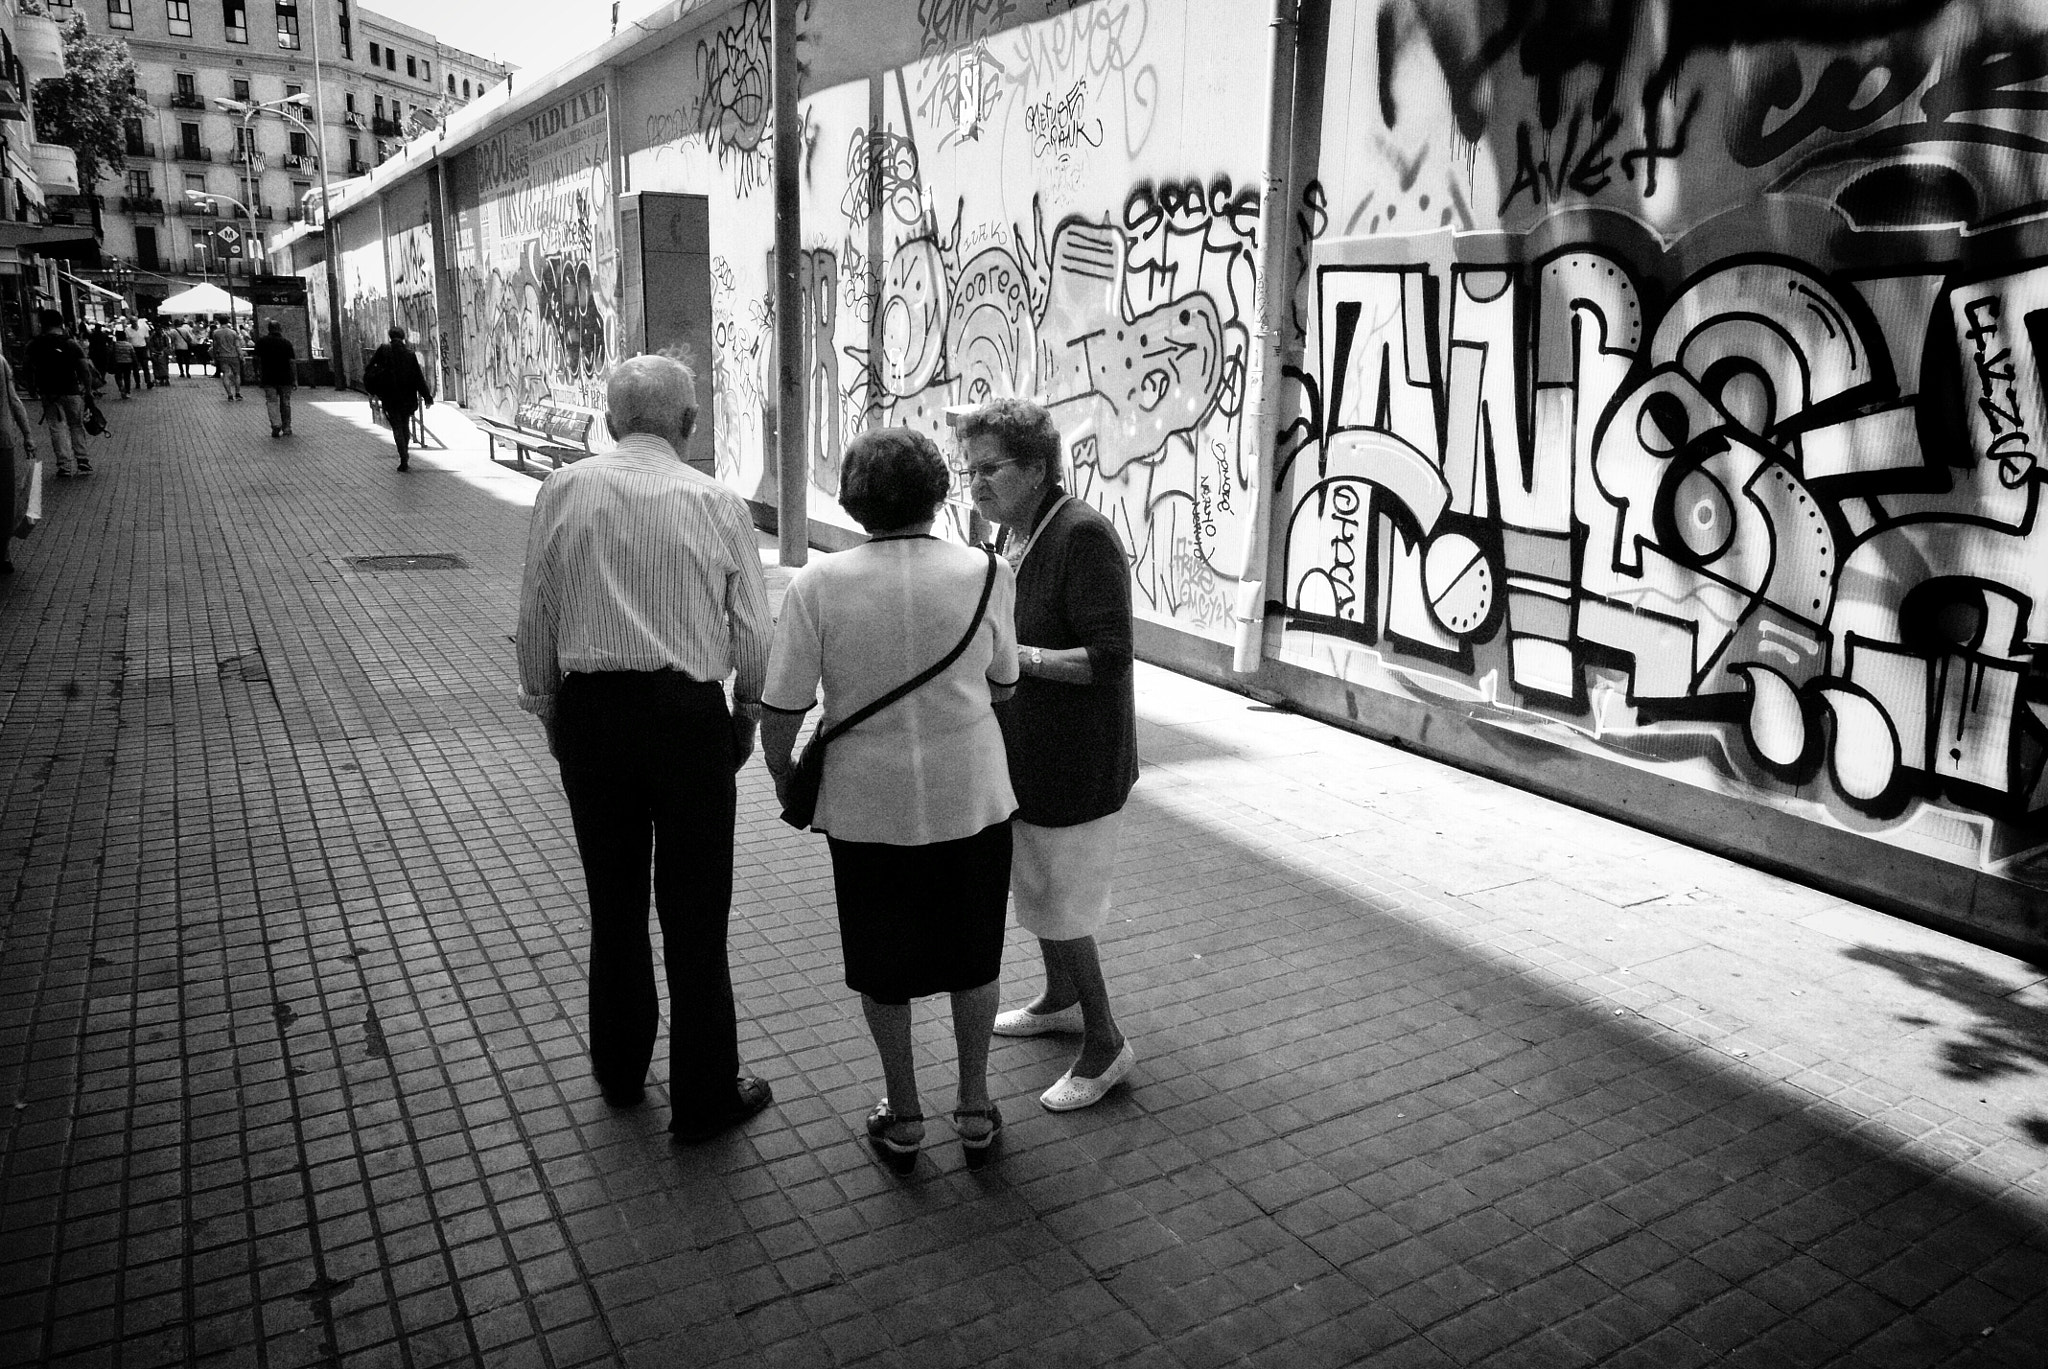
{"x":643,"y":592}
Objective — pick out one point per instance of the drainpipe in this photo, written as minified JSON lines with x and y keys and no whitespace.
{"x":792,"y":457}
{"x":1276,"y":207}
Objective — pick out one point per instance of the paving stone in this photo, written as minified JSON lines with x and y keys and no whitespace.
{"x":1431,"y":1071}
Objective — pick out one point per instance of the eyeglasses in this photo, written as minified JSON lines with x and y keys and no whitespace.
{"x":986,"y":470}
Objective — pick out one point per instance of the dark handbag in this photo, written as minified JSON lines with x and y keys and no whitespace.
{"x":807,"y":776}
{"x":95,"y":421}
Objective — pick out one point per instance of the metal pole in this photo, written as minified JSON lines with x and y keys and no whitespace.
{"x":1272,"y":291}
{"x":327,"y":232}
{"x":792,"y":454}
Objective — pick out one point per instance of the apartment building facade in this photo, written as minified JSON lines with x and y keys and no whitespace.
{"x":37,"y":179}
{"x":205,"y":185}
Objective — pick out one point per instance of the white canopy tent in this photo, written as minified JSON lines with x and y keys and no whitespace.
{"x":203,"y":298}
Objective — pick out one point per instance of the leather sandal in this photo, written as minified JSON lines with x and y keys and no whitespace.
{"x":978,"y":1148}
{"x":899,"y":1154}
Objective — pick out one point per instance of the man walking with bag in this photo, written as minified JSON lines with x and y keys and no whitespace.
{"x":643,"y":591}
{"x":276,"y":372}
{"x":58,"y":369}
{"x":396,"y":380}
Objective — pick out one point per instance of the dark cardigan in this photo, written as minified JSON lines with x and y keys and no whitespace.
{"x":1073,"y":748}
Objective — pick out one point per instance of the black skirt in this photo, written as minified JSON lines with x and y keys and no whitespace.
{"x":918,"y":920}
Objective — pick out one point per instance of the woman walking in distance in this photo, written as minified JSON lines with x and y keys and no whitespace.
{"x":916,"y":798}
{"x":1071,"y":731}
{"x":395,"y":378}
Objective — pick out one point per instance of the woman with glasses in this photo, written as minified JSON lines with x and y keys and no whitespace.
{"x":1071,"y":731}
{"x":916,"y":799}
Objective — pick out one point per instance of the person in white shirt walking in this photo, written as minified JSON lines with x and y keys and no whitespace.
{"x":642,"y":592}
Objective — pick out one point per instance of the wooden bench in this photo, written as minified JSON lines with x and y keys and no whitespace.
{"x":548,"y":427}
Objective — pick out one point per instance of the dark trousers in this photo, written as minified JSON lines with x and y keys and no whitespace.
{"x":401,"y":427}
{"x":647,"y":763}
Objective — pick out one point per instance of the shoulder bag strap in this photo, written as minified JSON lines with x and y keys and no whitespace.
{"x":988,"y":583}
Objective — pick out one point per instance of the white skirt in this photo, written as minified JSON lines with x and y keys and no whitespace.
{"x":1060,"y":876}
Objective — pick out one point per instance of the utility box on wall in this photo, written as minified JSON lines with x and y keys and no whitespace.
{"x":665,"y":287}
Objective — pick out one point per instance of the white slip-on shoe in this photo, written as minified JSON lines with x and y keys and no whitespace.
{"x":1071,"y":1093}
{"x":1024,"y":1022}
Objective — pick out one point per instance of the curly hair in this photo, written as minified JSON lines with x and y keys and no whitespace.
{"x":1023,"y":429}
{"x":891,"y":478}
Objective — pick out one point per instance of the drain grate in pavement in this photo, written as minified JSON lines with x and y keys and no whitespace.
{"x":432,"y":560}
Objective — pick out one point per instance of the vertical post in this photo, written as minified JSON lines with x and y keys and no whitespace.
{"x":327,"y":232}
{"x":1272,"y":288}
{"x":792,"y":449}
{"x":878,"y":122}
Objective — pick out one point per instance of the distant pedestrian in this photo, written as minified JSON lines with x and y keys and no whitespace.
{"x":99,"y":350}
{"x":643,"y":591}
{"x":138,"y":340}
{"x":58,"y":368}
{"x":1071,"y":732}
{"x":160,"y":354}
{"x":916,"y":798}
{"x":124,"y":362}
{"x":181,"y":349}
{"x":276,"y":367}
{"x":396,"y":380}
{"x":226,"y":345}
{"x":17,"y":436}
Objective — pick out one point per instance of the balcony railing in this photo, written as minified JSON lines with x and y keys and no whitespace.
{"x":189,"y":153}
{"x":385,"y":128}
{"x":301,"y":159}
{"x":199,"y":209}
{"x":142,"y":204}
{"x":358,"y":168}
{"x":182,"y":100}
{"x":140,"y":149}
{"x":355,"y":120}
{"x":295,"y":215}
{"x":71,"y":209}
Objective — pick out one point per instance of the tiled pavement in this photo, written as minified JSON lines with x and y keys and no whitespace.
{"x":1431,"y":1072}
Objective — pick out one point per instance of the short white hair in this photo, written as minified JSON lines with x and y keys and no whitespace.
{"x":649,"y":394}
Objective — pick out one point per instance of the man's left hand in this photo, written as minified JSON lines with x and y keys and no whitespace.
{"x":742,"y":741}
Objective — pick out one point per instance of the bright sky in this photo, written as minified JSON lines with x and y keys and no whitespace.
{"x":537,"y":35}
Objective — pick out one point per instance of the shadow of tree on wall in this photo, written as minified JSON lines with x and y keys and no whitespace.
{"x":2007,"y":1039}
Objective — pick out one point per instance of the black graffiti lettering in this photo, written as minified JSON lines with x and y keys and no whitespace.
{"x":1656,"y":149}
{"x":1977,"y":312}
{"x":2003,"y":417}
{"x":1992,"y":71}
{"x":1998,"y":366}
{"x":1837,"y":103}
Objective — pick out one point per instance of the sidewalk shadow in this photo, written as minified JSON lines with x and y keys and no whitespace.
{"x":2007,"y":1039}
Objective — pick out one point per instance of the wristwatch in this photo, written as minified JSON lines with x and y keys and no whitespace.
{"x":1037,"y":656}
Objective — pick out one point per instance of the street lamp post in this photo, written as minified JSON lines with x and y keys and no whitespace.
{"x":209,"y":197}
{"x":249,"y":111}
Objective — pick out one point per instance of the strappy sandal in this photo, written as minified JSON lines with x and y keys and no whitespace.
{"x":978,"y":1148}
{"x":900,"y":1155}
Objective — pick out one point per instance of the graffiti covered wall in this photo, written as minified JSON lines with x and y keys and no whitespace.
{"x":1701,"y":426}
{"x":365,"y":292}
{"x":996,"y":200}
{"x":1664,"y":382}
{"x":536,"y":256}
{"x":409,"y":266}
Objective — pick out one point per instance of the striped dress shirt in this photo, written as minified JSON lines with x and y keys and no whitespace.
{"x":636,"y":562}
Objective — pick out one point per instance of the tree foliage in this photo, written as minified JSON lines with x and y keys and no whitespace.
{"x":85,"y":108}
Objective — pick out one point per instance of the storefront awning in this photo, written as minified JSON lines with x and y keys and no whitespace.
{"x":96,"y":289}
{"x":14,"y":234}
